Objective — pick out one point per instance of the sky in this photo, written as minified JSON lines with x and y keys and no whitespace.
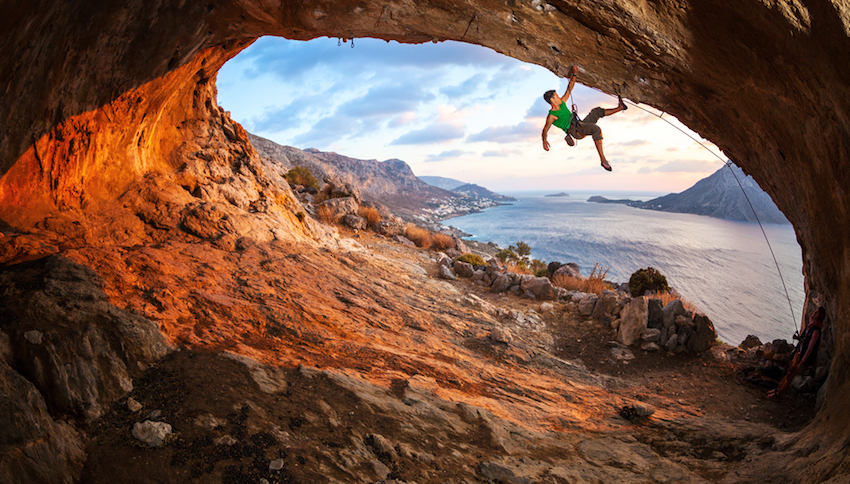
{"x":449,"y":109}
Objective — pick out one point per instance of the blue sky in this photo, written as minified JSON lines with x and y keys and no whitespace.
{"x":449,"y":109}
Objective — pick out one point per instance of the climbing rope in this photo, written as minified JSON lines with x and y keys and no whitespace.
{"x":728,"y":164}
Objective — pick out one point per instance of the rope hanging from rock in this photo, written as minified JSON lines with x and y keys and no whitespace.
{"x":728,"y":164}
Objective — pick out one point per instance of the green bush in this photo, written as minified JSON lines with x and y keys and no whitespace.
{"x":648,"y":279}
{"x":302,"y":176}
{"x":473,"y":259}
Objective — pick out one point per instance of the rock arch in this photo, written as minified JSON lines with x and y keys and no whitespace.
{"x":97,"y":95}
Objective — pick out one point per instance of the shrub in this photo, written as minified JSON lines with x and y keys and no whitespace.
{"x":474,"y":259}
{"x":648,"y":279}
{"x":505,"y":254}
{"x":419,"y":236}
{"x":442,"y":242}
{"x":327,"y":215}
{"x":301,"y":176}
{"x":370,"y":214}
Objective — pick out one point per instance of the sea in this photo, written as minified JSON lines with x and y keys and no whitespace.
{"x":724,"y":267}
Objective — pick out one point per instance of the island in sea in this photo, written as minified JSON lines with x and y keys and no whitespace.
{"x":562,"y":194}
{"x":728,"y":193}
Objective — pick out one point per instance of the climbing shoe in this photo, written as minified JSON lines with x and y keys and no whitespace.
{"x":570,"y":141}
{"x":606,"y":165}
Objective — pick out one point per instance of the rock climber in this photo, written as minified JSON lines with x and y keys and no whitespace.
{"x":805,"y":354}
{"x":575,"y":127}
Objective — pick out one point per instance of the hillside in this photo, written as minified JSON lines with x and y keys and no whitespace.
{"x":720,"y":196}
{"x":442,"y":182}
{"x":477,"y":191}
{"x":391,"y":182}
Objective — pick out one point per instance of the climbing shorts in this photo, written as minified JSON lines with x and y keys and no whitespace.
{"x":587,"y":126}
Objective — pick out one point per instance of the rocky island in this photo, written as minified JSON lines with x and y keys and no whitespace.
{"x":728,"y":193}
{"x":171,"y":312}
{"x":560,"y":194}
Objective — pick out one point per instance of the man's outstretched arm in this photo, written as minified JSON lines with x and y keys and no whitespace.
{"x":549,"y":120}
{"x":573,"y":74}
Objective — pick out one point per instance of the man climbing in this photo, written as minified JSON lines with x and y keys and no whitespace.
{"x":569,"y":121}
{"x":805,"y":354}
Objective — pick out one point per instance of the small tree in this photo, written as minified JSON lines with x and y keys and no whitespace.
{"x":648,"y":279}
{"x":302,"y":176}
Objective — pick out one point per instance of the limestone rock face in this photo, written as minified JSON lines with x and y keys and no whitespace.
{"x":77,"y":349}
{"x":109,"y":126}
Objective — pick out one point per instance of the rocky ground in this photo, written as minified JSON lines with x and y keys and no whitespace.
{"x":391,"y":374}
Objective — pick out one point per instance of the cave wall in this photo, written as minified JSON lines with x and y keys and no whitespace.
{"x":96,"y":95}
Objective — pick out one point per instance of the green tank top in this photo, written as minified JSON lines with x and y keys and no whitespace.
{"x":564,"y":116}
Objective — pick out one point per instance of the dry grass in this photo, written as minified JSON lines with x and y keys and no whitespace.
{"x":419,"y":236}
{"x":442,"y":242}
{"x":370,"y":214}
{"x":666,"y":297}
{"x":594,"y":283}
{"x":327,"y":215}
{"x":518,"y":269}
{"x":324,"y":194}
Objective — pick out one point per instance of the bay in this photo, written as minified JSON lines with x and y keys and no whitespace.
{"x":724,"y":267}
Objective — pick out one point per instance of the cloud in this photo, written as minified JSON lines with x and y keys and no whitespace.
{"x":386,"y":100}
{"x":501,"y":153}
{"x":507,"y":134}
{"x":688,"y":166}
{"x":465,"y":88}
{"x":445,"y":155}
{"x":286,"y":117}
{"x":435,"y":133}
{"x":634,"y":142}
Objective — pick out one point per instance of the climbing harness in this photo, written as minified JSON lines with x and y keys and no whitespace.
{"x":728,"y":164}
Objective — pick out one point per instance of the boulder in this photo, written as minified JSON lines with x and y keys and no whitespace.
{"x":341,"y":189}
{"x":751,"y":341}
{"x":671,"y":343}
{"x":353,"y":221}
{"x":587,"y":304}
{"x":704,"y":335}
{"x":571,"y":269}
{"x":388,"y":228}
{"x":501,"y":335}
{"x":541,"y":287}
{"x":501,"y":283}
{"x":341,"y":207}
{"x":447,"y":273}
{"x":655,"y":319}
{"x":441,"y":259}
{"x":652,"y":335}
{"x":633,"y":319}
{"x":605,"y":305}
{"x":552,"y":267}
{"x":671,"y":310}
{"x":649,"y":346}
{"x":405,"y":241}
{"x":460,"y":246}
{"x":463,"y":269}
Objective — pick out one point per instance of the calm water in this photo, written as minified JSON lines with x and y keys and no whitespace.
{"x":724,"y":267}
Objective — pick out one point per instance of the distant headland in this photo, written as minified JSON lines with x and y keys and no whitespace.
{"x":562,"y":194}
